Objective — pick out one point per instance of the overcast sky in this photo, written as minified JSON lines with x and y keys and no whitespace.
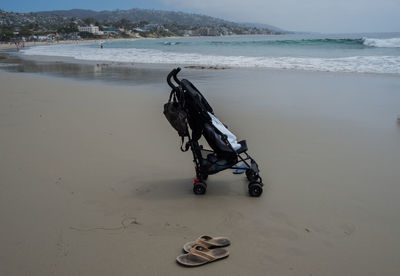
{"x":333,"y":16}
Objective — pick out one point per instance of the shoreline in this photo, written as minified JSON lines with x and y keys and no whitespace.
{"x":6,"y":46}
{"x":39,"y":43}
{"x":129,"y":73}
{"x":100,"y":68}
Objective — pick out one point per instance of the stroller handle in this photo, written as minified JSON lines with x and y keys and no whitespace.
{"x":175,"y":77}
{"x":173,"y":74}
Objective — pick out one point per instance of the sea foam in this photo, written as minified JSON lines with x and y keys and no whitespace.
{"x":362,"y":64}
{"x":382,"y":43}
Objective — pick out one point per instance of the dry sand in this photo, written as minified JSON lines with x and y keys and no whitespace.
{"x":92,"y":181}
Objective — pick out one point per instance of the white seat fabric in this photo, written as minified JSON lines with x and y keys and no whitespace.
{"x":220,"y":126}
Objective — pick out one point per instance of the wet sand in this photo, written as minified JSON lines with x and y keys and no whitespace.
{"x":93,"y":182}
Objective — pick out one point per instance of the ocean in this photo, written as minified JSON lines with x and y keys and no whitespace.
{"x":360,"y":53}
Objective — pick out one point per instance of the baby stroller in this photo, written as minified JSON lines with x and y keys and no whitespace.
{"x":187,"y":106}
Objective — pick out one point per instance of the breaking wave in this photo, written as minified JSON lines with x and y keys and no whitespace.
{"x":296,"y":42}
{"x":363,"y":64}
{"x":321,"y":42}
{"x":382,"y":43}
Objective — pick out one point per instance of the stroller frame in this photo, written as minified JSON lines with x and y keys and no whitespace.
{"x":242,"y":162}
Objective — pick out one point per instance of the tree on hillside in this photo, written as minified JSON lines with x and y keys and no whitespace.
{"x":33,"y":26}
{"x":68,"y":28}
{"x":25,"y":32}
{"x":6,"y":34}
{"x":123,"y":23}
{"x":90,"y":20}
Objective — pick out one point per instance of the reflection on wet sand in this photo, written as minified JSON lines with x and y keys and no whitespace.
{"x":126,"y":73}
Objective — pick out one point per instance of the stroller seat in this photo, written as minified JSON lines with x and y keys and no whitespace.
{"x":225,"y":153}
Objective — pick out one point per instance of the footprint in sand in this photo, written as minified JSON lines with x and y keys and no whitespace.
{"x":348,"y":229}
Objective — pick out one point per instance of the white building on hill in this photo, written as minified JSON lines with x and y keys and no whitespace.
{"x":90,"y":29}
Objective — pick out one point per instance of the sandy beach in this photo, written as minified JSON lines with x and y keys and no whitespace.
{"x":5,"y":46}
{"x":93,"y":182}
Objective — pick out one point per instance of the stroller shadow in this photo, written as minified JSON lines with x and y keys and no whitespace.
{"x":182,"y":188}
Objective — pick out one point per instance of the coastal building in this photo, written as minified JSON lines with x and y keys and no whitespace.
{"x":148,"y":28}
{"x":187,"y":33}
{"x":42,"y":38}
{"x":110,"y":30}
{"x":90,"y":29}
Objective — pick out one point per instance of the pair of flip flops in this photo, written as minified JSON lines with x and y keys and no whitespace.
{"x":204,"y":250}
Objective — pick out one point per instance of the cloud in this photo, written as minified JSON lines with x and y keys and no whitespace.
{"x":307,"y":15}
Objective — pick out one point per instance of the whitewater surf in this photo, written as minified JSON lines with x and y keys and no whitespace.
{"x":346,"y":53}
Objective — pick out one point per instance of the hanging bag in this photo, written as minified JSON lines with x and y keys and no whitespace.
{"x":176,"y":116}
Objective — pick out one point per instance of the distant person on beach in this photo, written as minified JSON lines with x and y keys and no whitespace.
{"x":101,"y":44}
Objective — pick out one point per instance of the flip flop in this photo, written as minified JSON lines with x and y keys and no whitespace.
{"x":207,"y":242}
{"x":199,"y":255}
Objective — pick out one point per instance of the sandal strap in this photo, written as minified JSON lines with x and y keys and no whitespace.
{"x":202,"y":243}
{"x":203,"y":240}
{"x":202,"y":252}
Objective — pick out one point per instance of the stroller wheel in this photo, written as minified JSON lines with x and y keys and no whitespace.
{"x":199,"y":188}
{"x":251,"y":175}
{"x":255,"y":189}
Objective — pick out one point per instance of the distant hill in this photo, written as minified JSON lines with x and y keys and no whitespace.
{"x":151,"y":16}
{"x":265,"y":26}
{"x":136,"y":15}
{"x":164,"y":23}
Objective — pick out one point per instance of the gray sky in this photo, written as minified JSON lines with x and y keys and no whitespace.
{"x":340,"y":16}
